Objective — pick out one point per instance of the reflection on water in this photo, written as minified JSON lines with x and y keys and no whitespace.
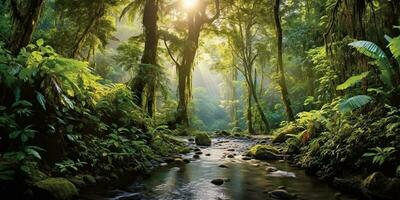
{"x":248,"y":180}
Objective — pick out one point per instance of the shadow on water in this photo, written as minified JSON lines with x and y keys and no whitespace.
{"x":244,"y":180}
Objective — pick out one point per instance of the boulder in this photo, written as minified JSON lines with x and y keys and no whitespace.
{"x":89,"y":179}
{"x":284,"y":133}
{"x":179,"y":160}
{"x":55,"y":188}
{"x":378,"y":186}
{"x":196,"y":156}
{"x":202,"y":139}
{"x":264,"y":152}
{"x":222,"y":166}
{"x":218,"y":181}
{"x":77,"y":181}
{"x":280,"y":173}
{"x":246,"y":158}
{"x":281,"y":194}
{"x":271,"y":169}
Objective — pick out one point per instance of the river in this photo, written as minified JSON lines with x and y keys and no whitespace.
{"x":243,"y":179}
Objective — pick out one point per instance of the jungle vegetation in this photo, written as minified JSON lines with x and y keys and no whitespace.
{"x":89,"y":85}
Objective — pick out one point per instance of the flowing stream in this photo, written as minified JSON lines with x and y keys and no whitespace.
{"x":243,"y":179}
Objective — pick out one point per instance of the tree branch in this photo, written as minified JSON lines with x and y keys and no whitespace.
{"x":170,"y":53}
{"x":218,"y":12}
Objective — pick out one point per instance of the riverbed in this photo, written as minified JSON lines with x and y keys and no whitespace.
{"x":242,"y":179}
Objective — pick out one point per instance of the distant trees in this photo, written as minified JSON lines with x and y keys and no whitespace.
{"x":280,"y":68}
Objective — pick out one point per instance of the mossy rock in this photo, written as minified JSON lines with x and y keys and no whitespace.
{"x":222,"y":133}
{"x":285,"y":133}
{"x":378,"y":186}
{"x":56,"y":188}
{"x":202,"y":139}
{"x":267,"y":152}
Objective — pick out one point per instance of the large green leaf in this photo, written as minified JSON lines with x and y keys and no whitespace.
{"x":352,"y":81}
{"x":353,"y":103}
{"x":373,"y":51}
{"x":41,"y":99}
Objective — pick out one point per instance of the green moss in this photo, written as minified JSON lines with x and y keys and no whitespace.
{"x":59,"y":188}
{"x":202,"y":139}
{"x":263,"y":152}
{"x":284,"y":133}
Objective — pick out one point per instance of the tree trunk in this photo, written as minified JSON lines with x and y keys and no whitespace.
{"x":25,"y":15}
{"x":250,"y":128}
{"x":258,"y":105}
{"x":81,"y":39}
{"x":281,"y":72}
{"x":149,"y":57}
{"x":235,"y":118}
{"x":185,"y":69}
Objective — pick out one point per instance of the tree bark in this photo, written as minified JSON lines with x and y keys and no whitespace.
{"x":185,"y":69}
{"x":25,"y":16}
{"x":257,"y":102}
{"x":143,"y":78}
{"x":149,"y":57}
{"x":281,"y":72}
{"x":250,"y":128}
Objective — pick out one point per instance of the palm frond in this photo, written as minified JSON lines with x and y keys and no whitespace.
{"x":133,"y":8}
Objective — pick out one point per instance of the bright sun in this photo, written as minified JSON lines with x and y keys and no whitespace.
{"x":189,"y":4}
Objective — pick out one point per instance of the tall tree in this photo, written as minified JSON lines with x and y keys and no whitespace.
{"x":25,"y":15}
{"x":243,"y":32}
{"x":280,"y":68}
{"x":196,"y":18}
{"x":145,"y":78}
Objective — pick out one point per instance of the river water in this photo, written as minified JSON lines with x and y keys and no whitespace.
{"x":247,"y":180}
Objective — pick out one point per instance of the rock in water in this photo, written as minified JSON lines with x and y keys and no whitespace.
{"x":280,"y":194}
{"x":230,"y":156}
{"x":55,"y":188}
{"x":280,"y":173}
{"x":378,"y":186}
{"x":271,"y":169}
{"x":179,"y":160}
{"x":264,"y":152}
{"x":89,"y":180}
{"x":202,"y":139}
{"x":218,"y":181}
{"x":223,"y":166}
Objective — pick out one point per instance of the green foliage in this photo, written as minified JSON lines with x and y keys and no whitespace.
{"x":68,"y":167}
{"x":354,"y":102}
{"x":379,"y":59}
{"x":381,"y":155}
{"x":352,"y":81}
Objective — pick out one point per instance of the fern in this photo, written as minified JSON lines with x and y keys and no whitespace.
{"x":353,"y":103}
{"x":352,"y":81}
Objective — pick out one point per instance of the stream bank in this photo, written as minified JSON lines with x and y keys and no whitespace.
{"x":221,"y":171}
